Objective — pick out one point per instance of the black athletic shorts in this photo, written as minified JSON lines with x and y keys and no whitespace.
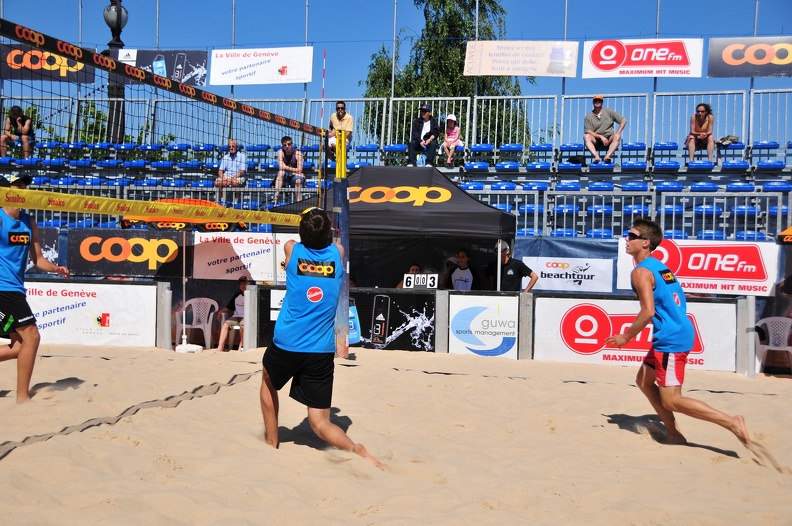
{"x":311,"y":374}
{"x":14,"y":312}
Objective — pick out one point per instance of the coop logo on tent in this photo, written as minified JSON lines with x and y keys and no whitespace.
{"x":482,"y":333}
{"x":417,"y":196}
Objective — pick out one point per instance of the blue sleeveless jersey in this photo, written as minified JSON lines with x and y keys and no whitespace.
{"x":673,"y":331}
{"x":313,"y":284}
{"x":16,"y":236}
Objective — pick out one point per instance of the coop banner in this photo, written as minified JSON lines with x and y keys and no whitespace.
{"x":713,"y":267}
{"x":574,"y":330}
{"x":94,"y":313}
{"x":21,"y":62}
{"x":750,"y":57}
{"x":533,"y":58}
{"x":678,"y":57}
{"x":186,"y":66}
{"x":124,"y":253}
{"x":284,"y":65}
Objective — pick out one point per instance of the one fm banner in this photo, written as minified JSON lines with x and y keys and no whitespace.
{"x":521,"y":57}
{"x":713,"y":267}
{"x":483,"y":325}
{"x":229,"y":255}
{"x":568,"y":330}
{"x":283,"y":65}
{"x":750,"y":57}
{"x":563,"y":274}
{"x":185,"y":66}
{"x":678,"y":57}
{"x":94,"y":313}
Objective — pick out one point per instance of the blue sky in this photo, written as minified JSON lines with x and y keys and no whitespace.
{"x":354,"y":33}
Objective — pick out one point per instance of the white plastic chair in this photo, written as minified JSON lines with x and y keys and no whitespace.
{"x":203,"y":313}
{"x":778,"y":328}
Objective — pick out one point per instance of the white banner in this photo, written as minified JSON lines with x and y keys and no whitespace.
{"x":483,"y":325}
{"x":571,"y":274}
{"x":282,"y":65}
{"x":678,"y":57}
{"x":228,"y":255}
{"x":94,"y":313}
{"x":571,"y":330}
{"x":531,"y":58}
{"x":734,"y":268}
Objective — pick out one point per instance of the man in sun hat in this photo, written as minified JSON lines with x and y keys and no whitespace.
{"x":18,"y":233}
{"x":423,"y":136}
{"x":599,"y":130}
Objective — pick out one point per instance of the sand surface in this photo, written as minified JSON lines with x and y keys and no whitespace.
{"x":147,"y":436}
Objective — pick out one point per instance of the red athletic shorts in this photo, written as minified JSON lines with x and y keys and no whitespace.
{"x":669,"y":367}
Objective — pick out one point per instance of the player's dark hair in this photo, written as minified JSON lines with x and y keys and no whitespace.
{"x":649,"y":230}
{"x":316,"y":229}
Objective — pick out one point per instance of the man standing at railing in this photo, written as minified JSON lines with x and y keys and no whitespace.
{"x":423,"y":135}
{"x":599,"y":130}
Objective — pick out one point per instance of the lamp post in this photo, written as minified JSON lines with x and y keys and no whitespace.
{"x":115,"y":16}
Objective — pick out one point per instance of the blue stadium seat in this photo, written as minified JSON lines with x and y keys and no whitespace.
{"x":669,"y":186}
{"x":150,"y":147}
{"x":750,"y":235}
{"x":146,"y":182}
{"x":670,"y":210}
{"x":740,"y":186}
{"x":260,"y":227}
{"x":566,"y":209}
{"x":777,"y":186}
{"x":635,"y":186}
{"x":531,"y":209}
{"x":355,"y":165}
{"x":636,"y":210}
{"x":110,"y":163}
{"x":704,"y":186}
{"x":64,"y":181}
{"x":125,"y":147}
{"x":600,"y":186}
{"x":507,"y":166}
{"x":175,"y":183}
{"x":529,"y":232}
{"x":764,"y":156}
{"x":205,"y":147}
{"x":510,"y":152}
{"x":40,"y":180}
{"x":503,"y":207}
{"x":476,"y":166}
{"x":538,"y":166}
{"x":91,"y":181}
{"x":633,"y":157}
{"x":700,"y":166}
{"x":473,"y":185}
{"x":503,"y":186}
{"x":32,"y":161}
{"x":600,"y":233}
{"x":121,"y":181}
{"x":600,"y":210}
{"x":564,"y":232}
{"x":663,"y":156}
{"x":180,"y":147}
{"x":568,"y":186}
{"x":163,"y":165}
{"x":202,"y":183}
{"x":192,"y":164}
{"x":81,"y":163}
{"x":675,"y":234}
{"x":539,"y":186}
{"x":393,"y":153}
{"x":57,"y":162}
{"x":137,"y":163}
{"x":81,"y":223}
{"x":712,"y":235}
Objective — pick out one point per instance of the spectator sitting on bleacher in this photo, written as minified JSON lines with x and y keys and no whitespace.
{"x":340,"y":120}
{"x":290,"y":167}
{"x":599,"y":130}
{"x":452,"y":138}
{"x":423,"y":135}
{"x":232,"y":167}
{"x":700,"y":138}
{"x":18,"y":127}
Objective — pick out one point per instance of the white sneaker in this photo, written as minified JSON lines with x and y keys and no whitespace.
{"x":428,"y":165}
{"x":410,"y":165}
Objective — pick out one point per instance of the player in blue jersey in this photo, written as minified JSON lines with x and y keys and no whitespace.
{"x":17,"y":235}
{"x":303,"y":348}
{"x":663,"y":371}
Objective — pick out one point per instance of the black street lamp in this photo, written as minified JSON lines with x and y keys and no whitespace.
{"x":115,"y":16}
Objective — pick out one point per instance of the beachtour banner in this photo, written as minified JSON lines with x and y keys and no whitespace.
{"x":678,"y":57}
{"x":750,"y":57}
{"x":532,"y":58}
{"x":574,"y":330}
{"x":713,"y":267}
{"x":284,"y":65}
{"x":483,"y":325}
{"x":564,"y":274}
{"x":94,"y":313}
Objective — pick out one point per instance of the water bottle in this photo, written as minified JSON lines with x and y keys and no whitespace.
{"x":420,"y":160}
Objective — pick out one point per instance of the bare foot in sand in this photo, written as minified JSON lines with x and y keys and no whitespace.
{"x":360,"y":449}
{"x":740,"y":431}
{"x":676,"y":439}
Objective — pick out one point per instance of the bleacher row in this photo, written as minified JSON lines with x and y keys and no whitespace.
{"x":534,"y":159}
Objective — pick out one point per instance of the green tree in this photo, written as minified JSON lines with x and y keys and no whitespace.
{"x":437,"y":57}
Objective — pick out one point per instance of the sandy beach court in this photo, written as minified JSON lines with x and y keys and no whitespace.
{"x":147,"y":436}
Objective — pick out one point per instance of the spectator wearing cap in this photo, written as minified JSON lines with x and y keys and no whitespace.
{"x":452,"y":138}
{"x":423,"y":136}
{"x":512,"y":271}
{"x":18,"y":127}
{"x":600,"y":132}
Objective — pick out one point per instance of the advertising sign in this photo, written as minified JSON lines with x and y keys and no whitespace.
{"x":186,"y":66}
{"x":571,"y":274}
{"x":94,"y":313}
{"x":283,"y":65}
{"x":679,"y":57}
{"x":104,"y":252}
{"x":713,"y":267}
{"x":570,"y":330}
{"x":483,"y":325}
{"x":23,"y":62}
{"x":750,"y":57}
{"x":521,"y":57}
{"x":48,"y":239}
{"x":228,"y":255}
{"x":401,"y":321}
